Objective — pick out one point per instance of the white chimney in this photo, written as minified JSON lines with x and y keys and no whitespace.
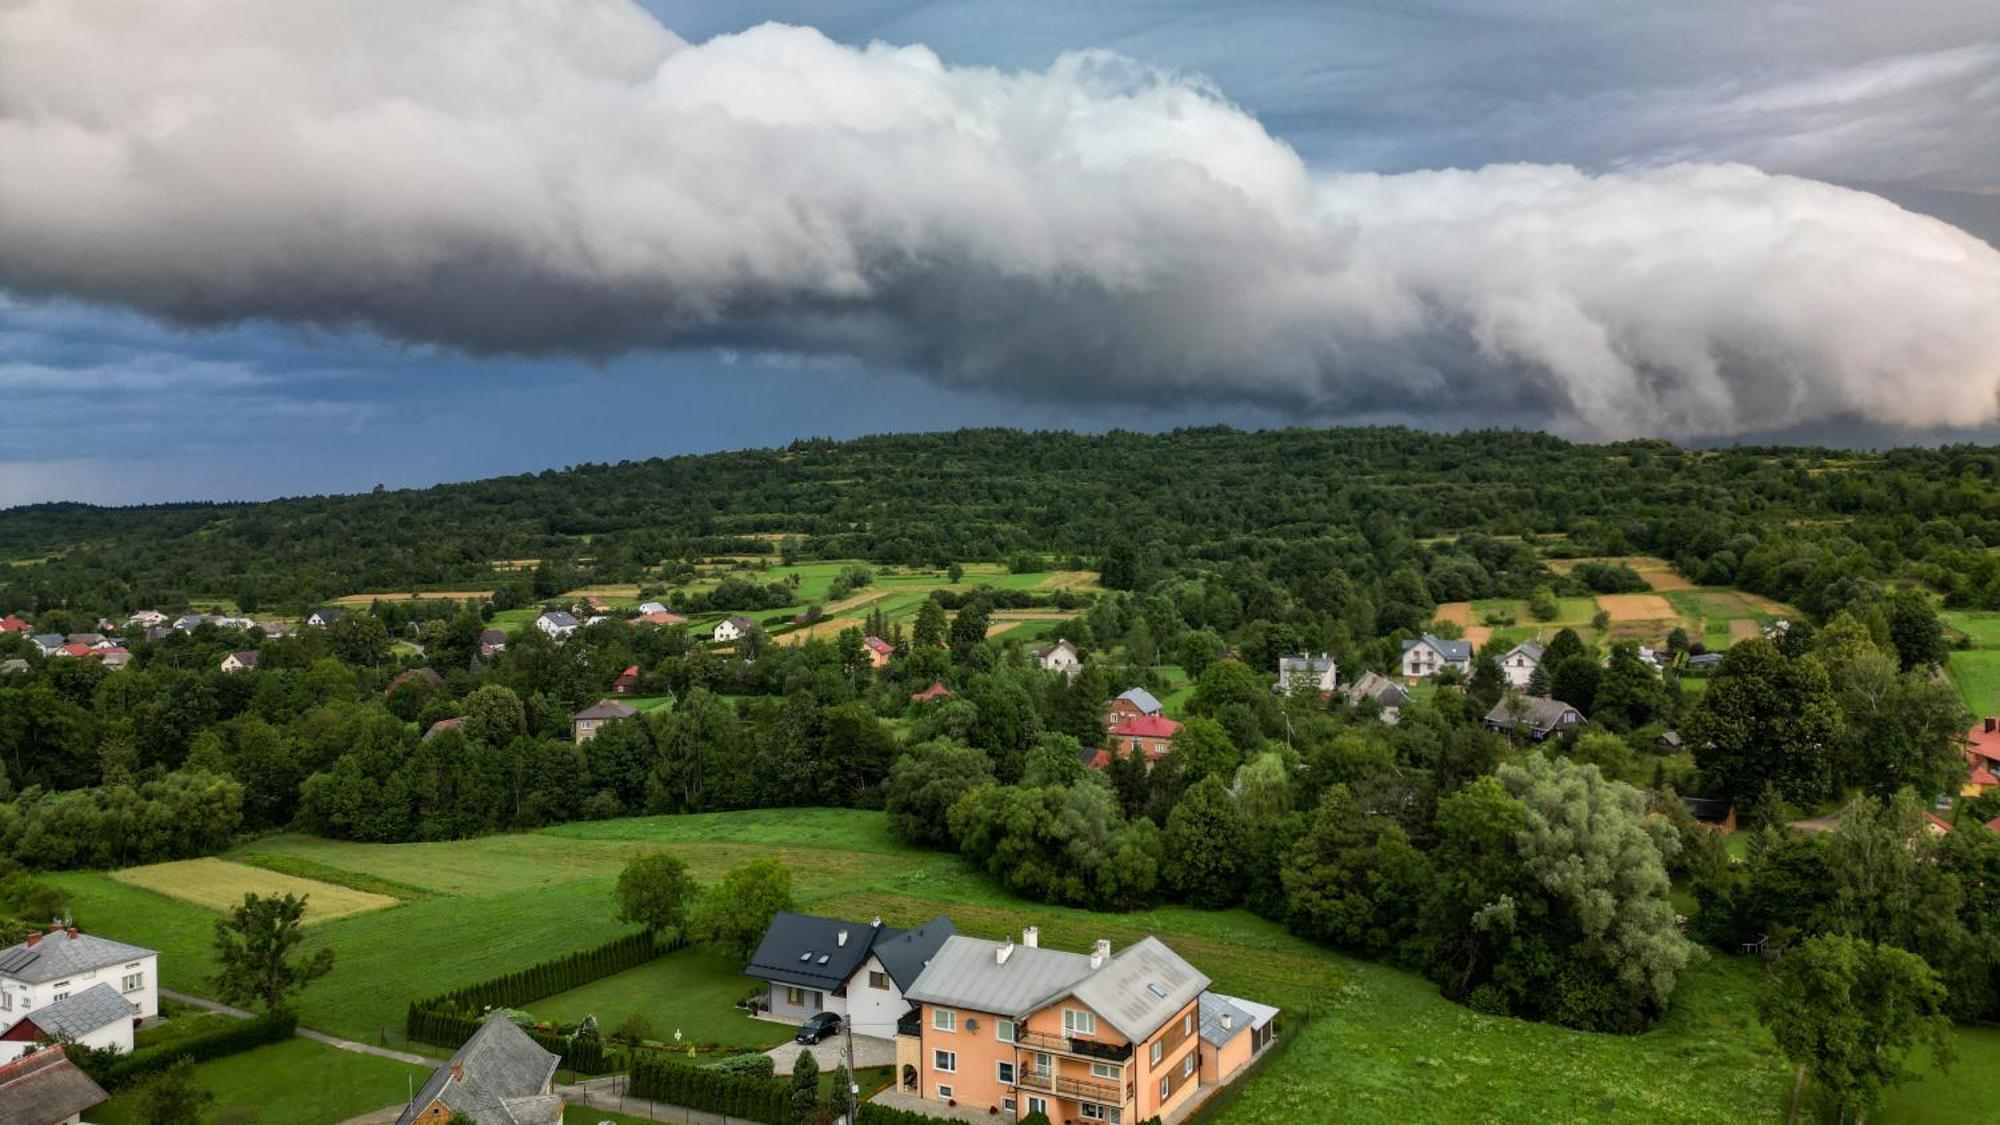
{"x":1001,"y":953}
{"x":840,"y":938}
{"x":1032,"y":937}
{"x":1100,"y":954}
{"x":876,"y":922}
{"x":1227,"y":1019}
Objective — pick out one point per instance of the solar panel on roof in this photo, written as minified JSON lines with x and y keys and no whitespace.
{"x":17,"y":960}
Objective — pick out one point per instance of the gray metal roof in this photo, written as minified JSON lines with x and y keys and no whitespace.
{"x":606,"y":709}
{"x":505,"y":1075}
{"x":1214,"y":1006}
{"x":59,"y":955}
{"x":1535,"y":711}
{"x":1450,"y":650}
{"x":83,"y":1012}
{"x":966,"y":973}
{"x":1141,"y":987}
{"x":904,"y":953}
{"x":1531,"y":649}
{"x":558,"y":618}
{"x":1142,"y":699}
{"x":1380,"y":688}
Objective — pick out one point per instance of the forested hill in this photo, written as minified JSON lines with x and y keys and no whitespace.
{"x":1205,"y":496}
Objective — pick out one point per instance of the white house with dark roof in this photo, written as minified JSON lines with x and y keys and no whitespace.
{"x":1319,"y":670}
{"x":1060,"y":657}
{"x":733,"y":628}
{"x":241,"y":661}
{"x":1385,"y":692}
{"x":584,"y":725}
{"x":556,"y":624}
{"x":1520,"y":662}
{"x":52,"y":967}
{"x":324,"y":617}
{"x":856,"y":970}
{"x":1429,"y":654}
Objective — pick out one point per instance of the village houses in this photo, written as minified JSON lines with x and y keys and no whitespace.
{"x":557,"y":625}
{"x":1519,"y":664}
{"x":1132,"y":703}
{"x":1059,"y":657}
{"x":69,"y":984}
{"x":858,"y":971}
{"x":583,"y":725}
{"x":1428,"y":655}
{"x":1321,"y":671}
{"x":499,"y":1077}
{"x":733,"y":629}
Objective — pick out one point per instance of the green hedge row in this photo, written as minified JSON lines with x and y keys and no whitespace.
{"x":522,"y":987}
{"x":656,"y":1077}
{"x":233,"y":1039}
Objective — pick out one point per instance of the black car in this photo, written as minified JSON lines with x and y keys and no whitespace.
{"x":817,"y":1027}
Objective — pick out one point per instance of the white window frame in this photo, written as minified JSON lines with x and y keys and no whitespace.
{"x":1104,"y":1070}
{"x":1004,"y":1030}
{"x":943,"y":1061}
{"x":1078,"y":1021}
{"x":1007,"y":1104}
{"x":1005,"y":1071}
{"x":1157,"y":1052}
{"x":134,"y":982}
{"x":944,"y":1019}
{"x":874,"y":976}
{"x":1166,"y":1087}
{"x":795,"y":996}
{"x":1187,"y":1065}
{"x":6,"y":1001}
{"x":1187,"y":1024}
{"x":1037,"y":1105}
{"x":945,"y":1092}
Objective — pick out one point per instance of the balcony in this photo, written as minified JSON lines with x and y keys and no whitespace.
{"x":910,"y":1023}
{"x":1069,"y":1045}
{"x":1086,"y":1089}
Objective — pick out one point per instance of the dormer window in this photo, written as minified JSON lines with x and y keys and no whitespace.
{"x":1156,"y":990}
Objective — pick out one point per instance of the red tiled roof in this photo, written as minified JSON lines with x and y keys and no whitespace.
{"x":630,"y":673}
{"x":13,"y":624}
{"x":879,"y":645}
{"x":1941,"y":824}
{"x":937,"y":690}
{"x":1994,"y":824}
{"x":74,"y":649}
{"x":1146,"y":726}
{"x":442,"y":725}
{"x":1099,"y":760}
{"x":1983,"y":742}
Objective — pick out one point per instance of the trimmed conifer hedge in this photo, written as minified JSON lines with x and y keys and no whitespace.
{"x":234,"y":1038}
{"x":449,"y":1019}
{"x":662,"y":1079}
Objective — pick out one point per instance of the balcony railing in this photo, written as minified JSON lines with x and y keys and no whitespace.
{"x":1069,"y":1045}
{"x":1088,"y":1089}
{"x":910,"y":1023}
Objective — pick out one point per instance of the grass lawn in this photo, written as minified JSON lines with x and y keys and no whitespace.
{"x":219,"y":884}
{"x":1983,"y":626}
{"x":298,"y":1082}
{"x":513,"y":620}
{"x":693,"y":991}
{"x":1962,"y":1094}
{"x":1977,"y":676}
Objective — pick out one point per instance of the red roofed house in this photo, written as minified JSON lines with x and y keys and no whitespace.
{"x":931,"y":694}
{"x":879,"y":650}
{"x":75,"y":649}
{"x":1151,"y":735}
{"x":1994,"y":825}
{"x":13,"y":624}
{"x":627,"y":681}
{"x":1982,"y":758}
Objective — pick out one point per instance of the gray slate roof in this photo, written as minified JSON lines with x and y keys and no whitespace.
{"x":58,"y":955}
{"x":1450,"y":650}
{"x":83,"y":1012}
{"x":742,"y":623}
{"x":44,"y":1087}
{"x":1530,"y":649}
{"x":1214,"y":1005}
{"x":1142,"y":699}
{"x":559,"y":619}
{"x":1141,"y":987}
{"x":1380,"y":688}
{"x":905,"y":954}
{"x":504,"y":1078}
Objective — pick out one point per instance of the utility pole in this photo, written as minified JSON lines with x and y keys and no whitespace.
{"x":853,"y":1086}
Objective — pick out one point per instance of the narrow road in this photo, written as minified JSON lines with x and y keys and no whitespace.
{"x":304,"y":1032}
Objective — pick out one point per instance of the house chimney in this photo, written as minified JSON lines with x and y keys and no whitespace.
{"x":1001,"y":954}
{"x":34,"y":939}
{"x":876,"y":922}
{"x":840,"y":938}
{"x":1032,"y":937}
{"x":71,"y":931}
{"x":1100,"y":954}
{"x":458,"y":1072}
{"x":1992,"y":724}
{"x":1227,"y":1020}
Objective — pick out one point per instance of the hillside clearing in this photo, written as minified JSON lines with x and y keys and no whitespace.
{"x":219,"y":885}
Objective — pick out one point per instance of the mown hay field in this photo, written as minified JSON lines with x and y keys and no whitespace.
{"x":219,"y":885}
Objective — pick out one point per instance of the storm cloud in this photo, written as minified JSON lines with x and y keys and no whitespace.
{"x":571,"y":178}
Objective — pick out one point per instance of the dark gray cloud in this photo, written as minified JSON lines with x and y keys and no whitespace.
{"x":576,"y":179}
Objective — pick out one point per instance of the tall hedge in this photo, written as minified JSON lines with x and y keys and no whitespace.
{"x":231,"y":1039}
{"x":662,"y":1079}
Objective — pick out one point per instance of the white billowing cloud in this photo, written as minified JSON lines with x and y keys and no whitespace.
{"x":566,"y":176}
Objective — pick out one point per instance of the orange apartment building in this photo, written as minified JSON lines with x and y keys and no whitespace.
{"x":1006,"y":1029}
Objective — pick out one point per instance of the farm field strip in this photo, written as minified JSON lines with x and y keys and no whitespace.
{"x":218,"y":884}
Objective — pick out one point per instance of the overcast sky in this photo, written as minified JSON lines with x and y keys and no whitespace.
{"x":249,"y":250}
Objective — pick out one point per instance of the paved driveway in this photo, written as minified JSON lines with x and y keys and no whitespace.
{"x":868,"y":1051}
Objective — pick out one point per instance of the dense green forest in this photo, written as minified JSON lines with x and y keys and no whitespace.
{"x":1783,"y":522}
{"x":1538,"y":879}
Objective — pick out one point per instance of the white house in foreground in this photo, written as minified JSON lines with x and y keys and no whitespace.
{"x":856,"y":971}
{"x":1428,"y":655}
{"x":69,"y":978}
{"x":1519,"y":665}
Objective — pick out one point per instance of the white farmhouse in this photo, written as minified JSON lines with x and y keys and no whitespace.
{"x":1519,"y":665}
{"x":734,"y":628}
{"x":1321,"y":671}
{"x":858,"y":972}
{"x":1060,"y":657}
{"x":79,"y":985}
{"x":1428,"y":655}
{"x":556,"y":624}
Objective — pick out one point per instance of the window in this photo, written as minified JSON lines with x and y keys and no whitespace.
{"x":1101,"y":1113}
{"x":1004,"y":1071}
{"x":1079,"y":1022}
{"x":796,"y":997}
{"x":60,"y":996}
{"x":1038,"y":1105}
{"x":1003,"y":1030}
{"x":6,"y":1001}
{"x":134,"y":982}
{"x":944,"y":1092}
{"x":944,"y":1019}
{"x":878,"y":980}
{"x":946,"y":1061}
{"x":1166,"y":1088}
{"x":1007,"y":1104}
{"x":1159,"y":1049}
{"x":1103,"y":1070}
{"x":1187,"y":1064}
{"x":1187,"y":1024}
